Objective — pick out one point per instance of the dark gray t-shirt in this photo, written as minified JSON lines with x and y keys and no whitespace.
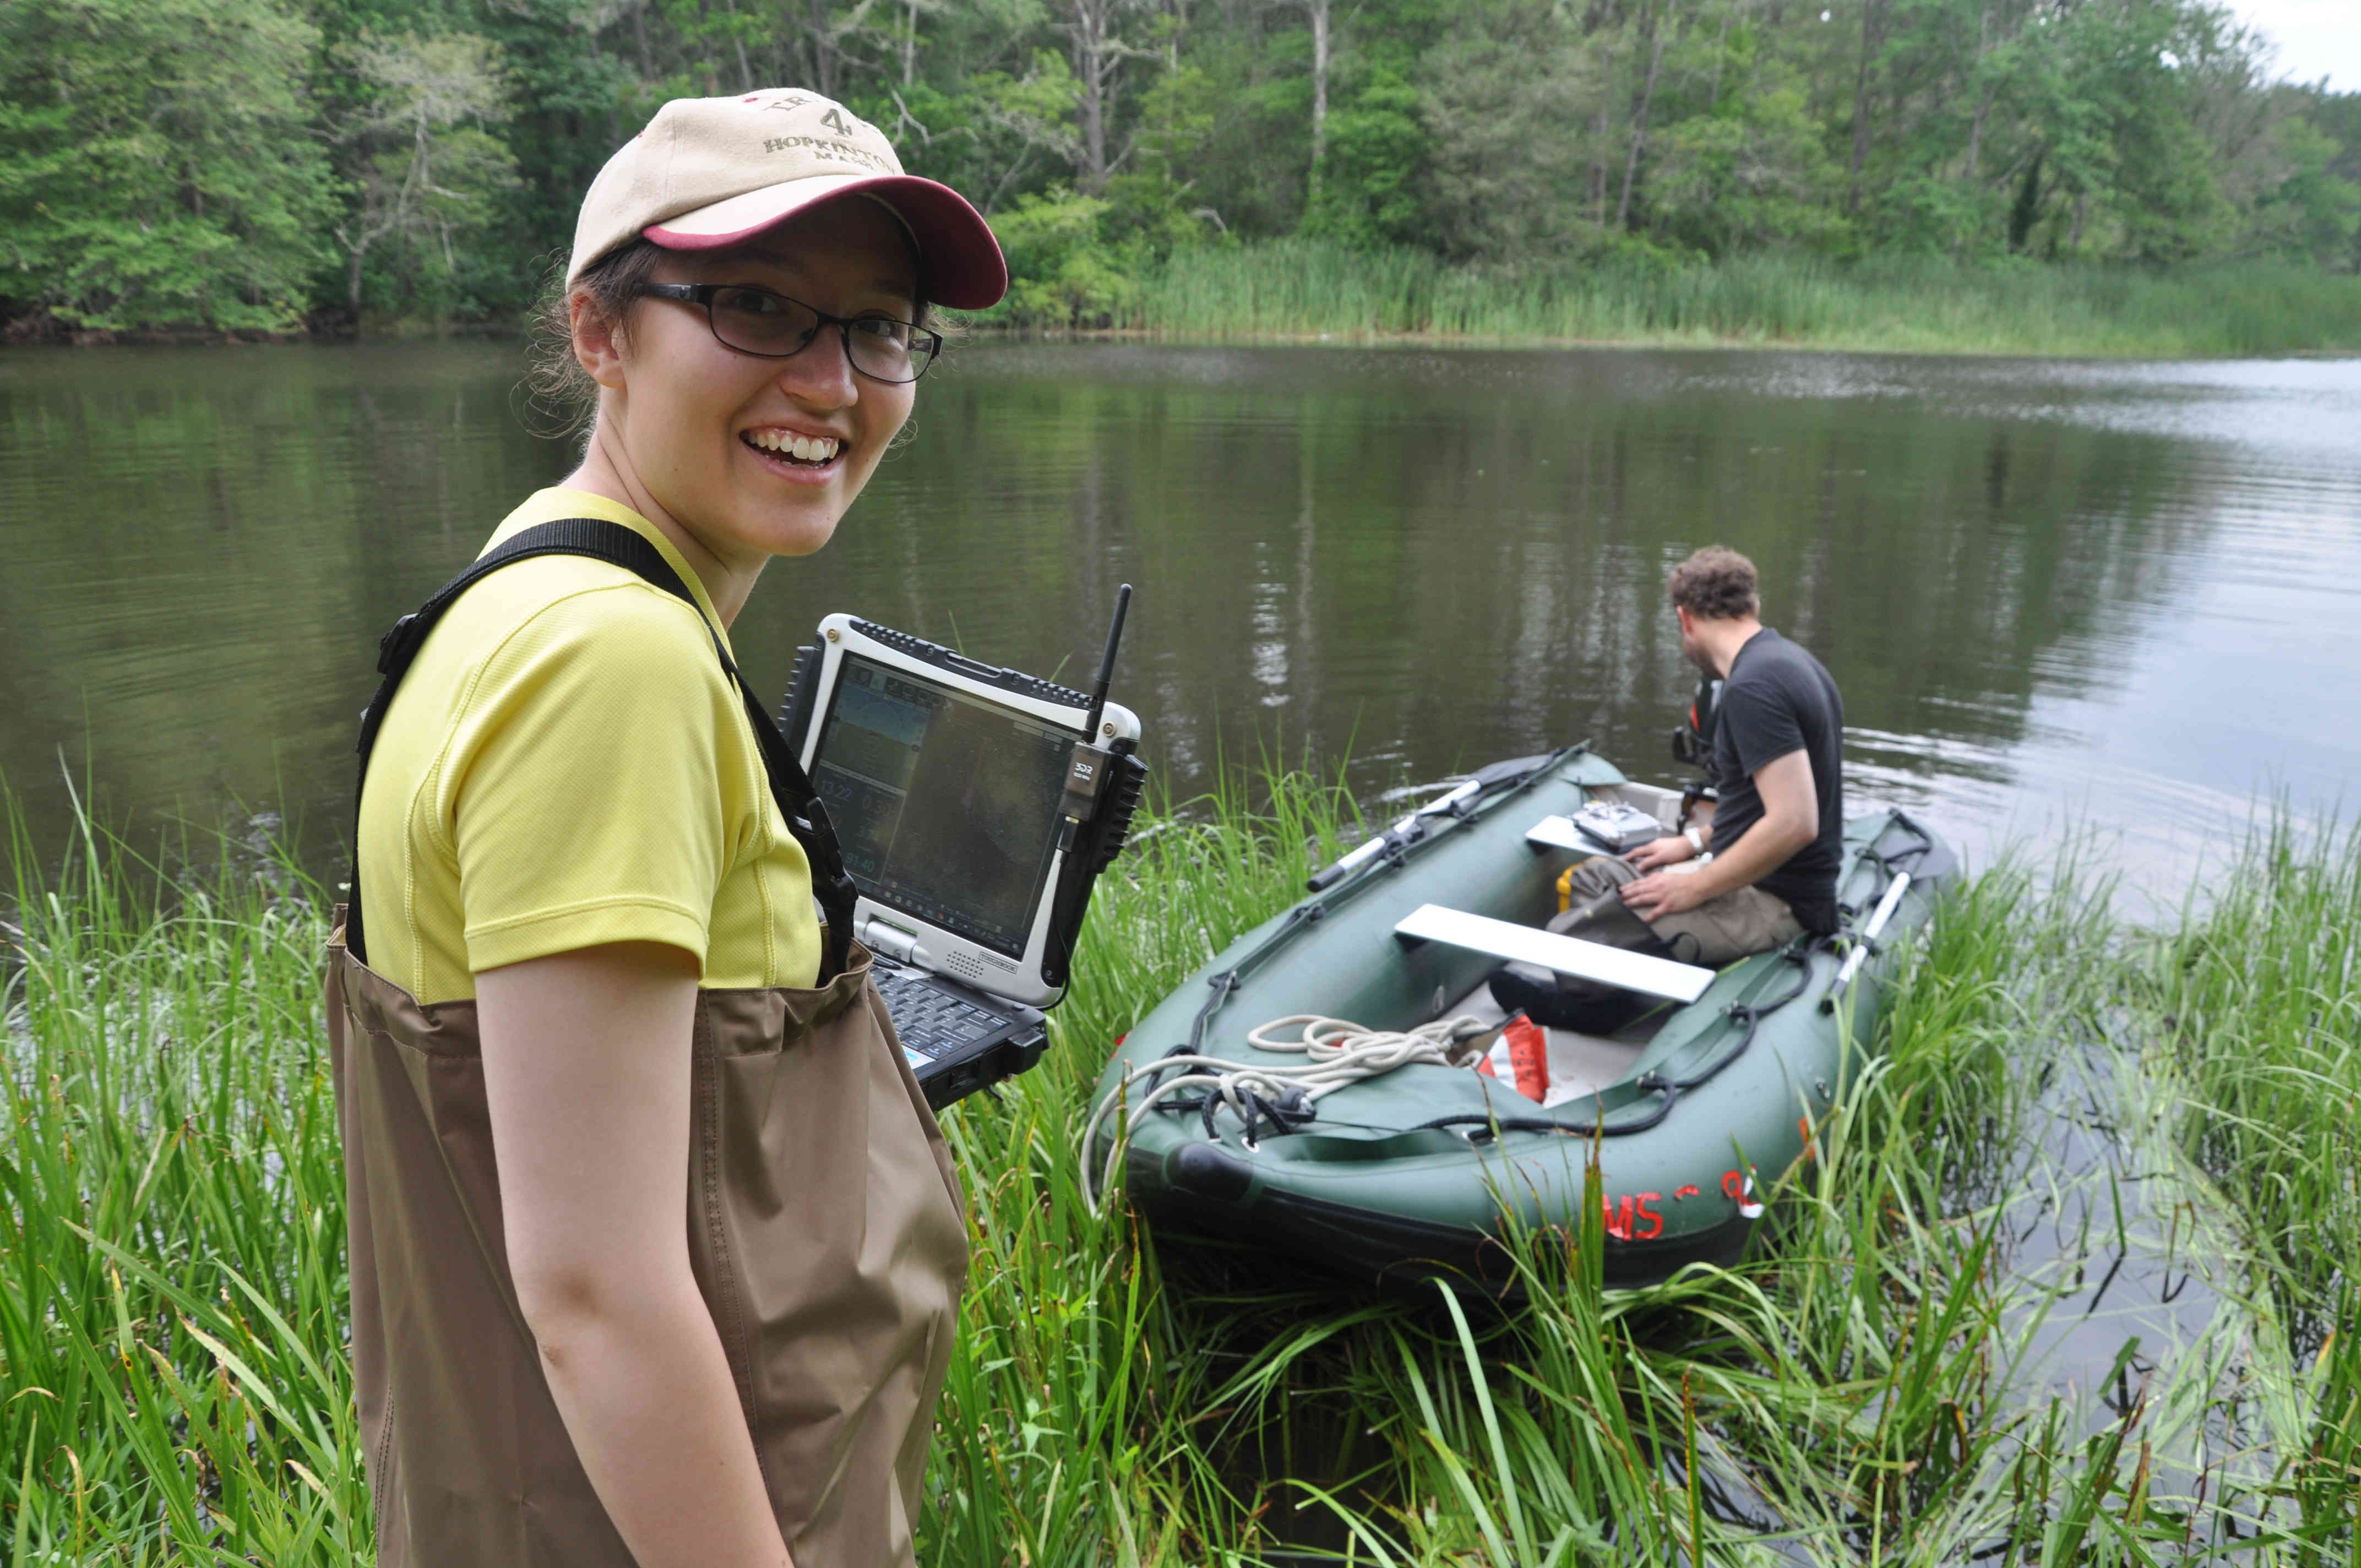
{"x":1779,"y":700}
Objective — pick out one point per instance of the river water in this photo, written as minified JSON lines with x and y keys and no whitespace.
{"x":2054,"y":594}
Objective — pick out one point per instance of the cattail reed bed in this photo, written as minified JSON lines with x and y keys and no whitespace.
{"x":1935,"y":1364}
{"x":1298,"y":288}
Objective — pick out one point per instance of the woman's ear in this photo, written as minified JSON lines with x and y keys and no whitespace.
{"x":596,"y":347}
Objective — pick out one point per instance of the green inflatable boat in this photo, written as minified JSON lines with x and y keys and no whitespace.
{"x":1380,"y":1154}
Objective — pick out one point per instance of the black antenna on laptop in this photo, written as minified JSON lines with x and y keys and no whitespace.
{"x":1104,"y":782}
{"x":1107,"y":663}
{"x":1086,"y":774}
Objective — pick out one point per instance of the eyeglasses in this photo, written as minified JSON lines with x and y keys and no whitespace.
{"x":755,"y":321}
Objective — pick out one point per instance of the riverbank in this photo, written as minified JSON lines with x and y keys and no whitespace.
{"x":1293,"y":289}
{"x":1296,"y":290}
{"x":1929,"y":1367}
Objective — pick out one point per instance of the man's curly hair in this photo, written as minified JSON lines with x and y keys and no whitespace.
{"x":1717,"y":583}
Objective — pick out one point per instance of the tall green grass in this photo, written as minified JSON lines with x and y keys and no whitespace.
{"x":2259,"y":998}
{"x":172,"y":1283}
{"x":1295,"y":288}
{"x":2255,"y":1001}
{"x":1868,"y":1390}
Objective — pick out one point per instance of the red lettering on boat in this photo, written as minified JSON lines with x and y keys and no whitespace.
{"x":1650,"y":1218}
{"x":1687,"y":1190}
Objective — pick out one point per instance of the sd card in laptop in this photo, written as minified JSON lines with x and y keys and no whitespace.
{"x":951,"y":784}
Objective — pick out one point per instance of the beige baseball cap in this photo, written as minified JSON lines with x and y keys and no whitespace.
{"x":708,"y":172}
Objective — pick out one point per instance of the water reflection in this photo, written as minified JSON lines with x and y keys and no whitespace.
{"x":2049,"y":591}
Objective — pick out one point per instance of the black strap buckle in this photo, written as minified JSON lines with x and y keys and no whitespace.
{"x":393,"y":644}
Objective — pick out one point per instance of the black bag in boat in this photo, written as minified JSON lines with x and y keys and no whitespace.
{"x":1567,"y":1002}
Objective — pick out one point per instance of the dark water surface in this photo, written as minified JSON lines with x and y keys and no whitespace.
{"x":2051,"y":592}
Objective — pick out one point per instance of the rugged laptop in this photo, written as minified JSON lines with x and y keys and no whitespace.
{"x":975,"y":806}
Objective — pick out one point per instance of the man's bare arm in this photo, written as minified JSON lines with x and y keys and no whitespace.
{"x":587,"y":1072}
{"x":1791,"y":819}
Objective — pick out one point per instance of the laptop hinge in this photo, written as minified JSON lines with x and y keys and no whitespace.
{"x":891,"y":941}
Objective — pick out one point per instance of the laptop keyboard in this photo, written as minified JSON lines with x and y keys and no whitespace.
{"x":929,"y":1019}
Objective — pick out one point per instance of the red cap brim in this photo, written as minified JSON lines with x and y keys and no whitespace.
{"x":965,"y":270}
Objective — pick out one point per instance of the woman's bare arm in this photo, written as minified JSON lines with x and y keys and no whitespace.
{"x":587,"y":1072}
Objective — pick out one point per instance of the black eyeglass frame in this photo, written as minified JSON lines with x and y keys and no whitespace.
{"x":703,"y":293}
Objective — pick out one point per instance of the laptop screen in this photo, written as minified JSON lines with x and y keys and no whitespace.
{"x":946,"y":804}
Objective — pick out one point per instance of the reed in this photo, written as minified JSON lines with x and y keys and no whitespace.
{"x":2255,"y":1003}
{"x":2257,"y":997}
{"x":1308,"y":288}
{"x":1869,"y":1389}
{"x":172,"y":1285}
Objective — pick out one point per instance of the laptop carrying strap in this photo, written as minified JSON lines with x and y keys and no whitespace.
{"x":600,"y":540}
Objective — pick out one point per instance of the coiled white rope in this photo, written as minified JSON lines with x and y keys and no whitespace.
{"x":1339,"y":1053}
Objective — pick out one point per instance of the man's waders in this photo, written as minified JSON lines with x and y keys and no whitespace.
{"x":825,"y":1227}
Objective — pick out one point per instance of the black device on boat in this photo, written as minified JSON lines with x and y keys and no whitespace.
{"x":1692,"y":741}
{"x":1693,"y":744}
{"x":978,"y":806}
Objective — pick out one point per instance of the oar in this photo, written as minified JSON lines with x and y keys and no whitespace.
{"x":1410,"y":828}
{"x":1866,"y":940}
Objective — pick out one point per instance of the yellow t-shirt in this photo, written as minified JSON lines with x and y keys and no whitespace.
{"x":566,"y":764}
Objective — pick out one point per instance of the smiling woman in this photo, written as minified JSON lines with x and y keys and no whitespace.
{"x":766,"y":426}
{"x":585,"y":993}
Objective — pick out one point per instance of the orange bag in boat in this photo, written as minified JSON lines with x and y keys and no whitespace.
{"x":1528,"y":1057}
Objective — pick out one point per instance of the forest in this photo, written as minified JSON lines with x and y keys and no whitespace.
{"x":212,"y":167}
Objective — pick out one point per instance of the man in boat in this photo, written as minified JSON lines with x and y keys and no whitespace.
{"x":1752,"y":871}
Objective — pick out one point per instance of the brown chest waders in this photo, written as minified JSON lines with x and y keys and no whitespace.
{"x":824,"y":1220}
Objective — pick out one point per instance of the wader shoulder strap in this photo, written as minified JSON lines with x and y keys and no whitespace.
{"x":619,"y":546}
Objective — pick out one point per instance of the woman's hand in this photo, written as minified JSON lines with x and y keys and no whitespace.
{"x":586,"y":1075}
{"x":1657,"y":853}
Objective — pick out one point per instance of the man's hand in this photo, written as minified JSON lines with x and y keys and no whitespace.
{"x":1657,"y":853}
{"x":1790,"y":818}
{"x":1659,"y":894}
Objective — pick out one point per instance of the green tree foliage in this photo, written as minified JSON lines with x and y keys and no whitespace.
{"x":1512,"y":153}
{"x":427,"y":171}
{"x":2308,"y":211}
{"x":1751,"y":173}
{"x":1375,"y":180}
{"x":1060,"y":270}
{"x":160,"y":164}
{"x":245,"y":164}
{"x":2330,"y":196}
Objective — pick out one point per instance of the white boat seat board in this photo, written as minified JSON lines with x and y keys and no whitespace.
{"x":1561,"y":955}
